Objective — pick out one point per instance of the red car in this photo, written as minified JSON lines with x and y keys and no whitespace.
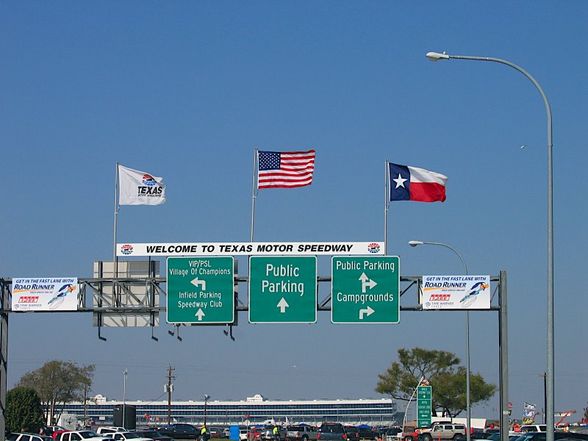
{"x":56,"y":433}
{"x":254,"y":434}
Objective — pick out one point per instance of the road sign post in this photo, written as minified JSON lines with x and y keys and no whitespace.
{"x":200,"y":290}
{"x":282,"y":289}
{"x":365,"y":289}
{"x":424,"y":405}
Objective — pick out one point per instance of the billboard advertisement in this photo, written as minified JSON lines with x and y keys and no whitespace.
{"x":45,"y":294}
{"x":249,"y":249}
{"x":455,"y":292}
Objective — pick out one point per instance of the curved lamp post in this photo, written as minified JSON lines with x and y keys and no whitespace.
{"x":206,"y":398}
{"x":124,"y":406}
{"x":436,"y":56}
{"x":415,"y":243}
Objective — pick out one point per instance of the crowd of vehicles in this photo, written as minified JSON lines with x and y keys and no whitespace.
{"x":438,"y":431}
{"x":444,"y":431}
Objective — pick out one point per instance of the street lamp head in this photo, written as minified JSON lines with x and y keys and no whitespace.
{"x":414,"y":243}
{"x":206,"y":397}
{"x":436,"y":56}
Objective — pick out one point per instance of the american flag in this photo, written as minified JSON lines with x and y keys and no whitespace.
{"x":285,"y":169}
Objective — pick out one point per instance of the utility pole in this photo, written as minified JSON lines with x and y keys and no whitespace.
{"x":544,"y":397}
{"x":169,"y":387}
{"x":85,"y":405}
{"x":124,"y":406}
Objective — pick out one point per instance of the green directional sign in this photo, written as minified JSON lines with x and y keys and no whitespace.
{"x":424,"y":393}
{"x":282,"y":289}
{"x":200,"y":290}
{"x":365,"y":289}
{"x":424,"y":405}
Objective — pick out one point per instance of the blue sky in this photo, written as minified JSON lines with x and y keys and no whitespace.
{"x":186,"y":90}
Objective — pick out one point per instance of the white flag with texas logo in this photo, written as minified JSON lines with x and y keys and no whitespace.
{"x":139,"y":188}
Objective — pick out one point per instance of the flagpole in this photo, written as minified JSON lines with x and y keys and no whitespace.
{"x":114,"y":256}
{"x":253,"y":194}
{"x":386,"y":205}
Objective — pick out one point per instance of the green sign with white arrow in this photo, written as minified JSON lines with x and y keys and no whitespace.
{"x":424,"y":405}
{"x":365,"y":289}
{"x":282,"y":289}
{"x":200,"y":290}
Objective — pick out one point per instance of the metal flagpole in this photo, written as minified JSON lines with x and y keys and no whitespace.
{"x":253,"y":194}
{"x":386,"y":205}
{"x":114,"y":256}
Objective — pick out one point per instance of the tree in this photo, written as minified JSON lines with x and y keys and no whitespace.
{"x":58,"y":382}
{"x":23,"y":410}
{"x":441,"y":370}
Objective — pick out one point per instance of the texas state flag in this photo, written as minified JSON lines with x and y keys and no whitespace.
{"x":416,"y":184}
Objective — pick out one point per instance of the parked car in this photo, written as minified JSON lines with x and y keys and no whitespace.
{"x":331,"y":432}
{"x":479,"y":434}
{"x":48,"y":430}
{"x":559,"y":436}
{"x":254,"y":434}
{"x":28,"y":437}
{"x":124,"y":436}
{"x":409,"y":434}
{"x":79,"y":435}
{"x":154,"y":435}
{"x":56,"y":433}
{"x":215,"y":432}
{"x":109,"y":429}
{"x":180,"y":431}
{"x":443,"y":431}
{"x":366,"y":432}
{"x":533,"y":428}
{"x":301,"y":432}
{"x":243,"y":431}
{"x":391,"y":433}
{"x":352,"y":433}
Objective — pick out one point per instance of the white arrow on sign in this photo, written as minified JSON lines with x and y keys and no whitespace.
{"x":200,"y":314}
{"x":367,"y":311}
{"x":197,"y":282}
{"x":366,"y":282}
{"x":282,"y":304}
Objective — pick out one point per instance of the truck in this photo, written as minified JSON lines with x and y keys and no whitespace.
{"x":443,"y":431}
{"x":331,"y":432}
{"x":301,"y":433}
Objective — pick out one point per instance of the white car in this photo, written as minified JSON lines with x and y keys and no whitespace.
{"x":533,"y":428}
{"x":27,"y":437}
{"x":79,"y":435}
{"x":109,"y":429}
{"x":123,"y":436}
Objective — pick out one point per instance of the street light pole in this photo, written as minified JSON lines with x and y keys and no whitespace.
{"x":549,"y":374}
{"x":124,"y":410}
{"x":414,"y":243}
{"x":206,"y":398}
